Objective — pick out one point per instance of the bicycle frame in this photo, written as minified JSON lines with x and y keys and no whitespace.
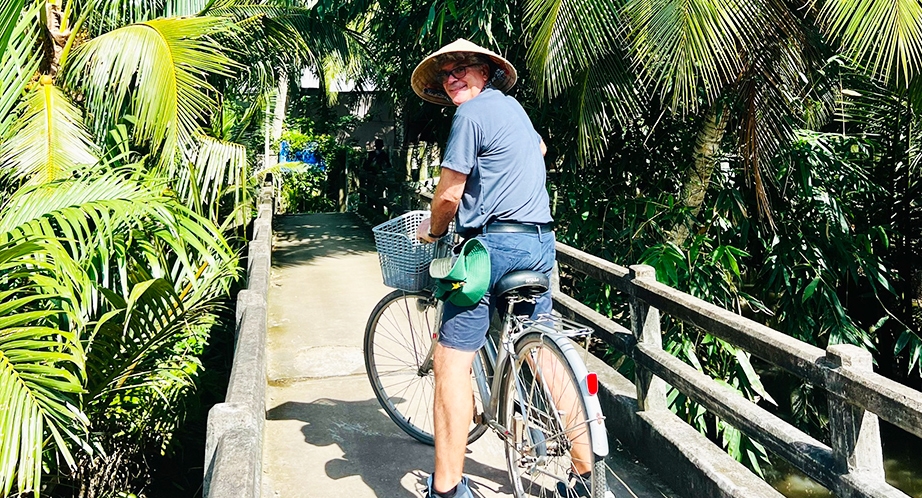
{"x":511,"y":329}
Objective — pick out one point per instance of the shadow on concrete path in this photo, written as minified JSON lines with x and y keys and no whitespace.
{"x":382,"y":459}
{"x":303,"y":238}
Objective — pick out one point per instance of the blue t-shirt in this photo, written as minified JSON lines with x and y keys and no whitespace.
{"x":493,"y":142}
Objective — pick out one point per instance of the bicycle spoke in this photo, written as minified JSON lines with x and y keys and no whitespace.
{"x":552,"y":438}
{"x":398,"y":340}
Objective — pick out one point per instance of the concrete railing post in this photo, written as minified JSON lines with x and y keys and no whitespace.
{"x":645,"y":325}
{"x":854,"y":432}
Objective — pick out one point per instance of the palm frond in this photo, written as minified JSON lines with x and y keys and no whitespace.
{"x":681,"y":48}
{"x":773,"y":94}
{"x":10,"y":11}
{"x":19,"y":58}
{"x":272,"y":37}
{"x":575,"y":49}
{"x":90,"y":213}
{"x":49,"y":141}
{"x":217,"y":167}
{"x":108,"y":15}
{"x":885,"y":36}
{"x":156,"y":72}
{"x":41,"y":363}
{"x":135,"y":339}
{"x":175,"y":8}
{"x":569,"y":36}
{"x":605,"y":98}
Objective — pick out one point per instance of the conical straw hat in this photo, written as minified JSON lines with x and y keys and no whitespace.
{"x":425,"y":82}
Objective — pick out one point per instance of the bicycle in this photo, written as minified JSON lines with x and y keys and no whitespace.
{"x":543,"y":403}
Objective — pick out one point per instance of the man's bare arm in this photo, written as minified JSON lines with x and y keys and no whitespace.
{"x":445,"y":203}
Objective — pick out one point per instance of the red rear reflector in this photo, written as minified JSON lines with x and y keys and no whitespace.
{"x":592,"y":383}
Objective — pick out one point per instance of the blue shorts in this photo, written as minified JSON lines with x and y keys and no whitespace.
{"x":465,"y":328}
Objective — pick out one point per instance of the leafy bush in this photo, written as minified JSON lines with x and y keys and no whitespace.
{"x":304,"y":191}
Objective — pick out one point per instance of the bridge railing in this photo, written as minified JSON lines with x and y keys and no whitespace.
{"x":234,"y":440}
{"x":858,"y":397}
{"x":640,"y":417}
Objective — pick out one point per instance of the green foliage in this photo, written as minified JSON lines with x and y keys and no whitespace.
{"x":19,"y":55}
{"x":823,"y":246}
{"x":152,"y":64}
{"x":112,"y":241}
{"x":49,"y":141}
{"x":72,"y":247}
{"x":304,"y":191}
{"x":308,"y":188}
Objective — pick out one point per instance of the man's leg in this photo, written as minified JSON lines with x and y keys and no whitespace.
{"x":566,"y":399}
{"x":453,"y":412}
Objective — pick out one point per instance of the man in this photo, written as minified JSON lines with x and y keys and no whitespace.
{"x":493,"y":181}
{"x":376,"y":174}
{"x":378,"y":161}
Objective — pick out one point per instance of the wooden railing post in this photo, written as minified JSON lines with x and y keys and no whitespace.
{"x":854,"y":432}
{"x":645,"y":324}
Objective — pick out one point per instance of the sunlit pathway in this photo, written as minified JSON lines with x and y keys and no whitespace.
{"x":325,"y":433}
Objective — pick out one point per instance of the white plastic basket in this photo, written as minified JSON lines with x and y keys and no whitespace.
{"x":404,"y":258}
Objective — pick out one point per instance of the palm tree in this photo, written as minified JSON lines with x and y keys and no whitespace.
{"x":767,"y":69}
{"x":719,"y":61}
{"x":65,"y":284}
{"x":116,"y":183}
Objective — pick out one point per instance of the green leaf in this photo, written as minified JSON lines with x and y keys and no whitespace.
{"x":10,"y":11}
{"x":683,"y":47}
{"x":688,"y":349}
{"x":731,"y":437}
{"x":811,"y":288}
{"x":218,"y":166}
{"x":575,"y":49}
{"x":36,"y":366}
{"x":752,"y":377}
{"x":902,"y":341}
{"x":19,"y":59}
{"x":880,"y":323}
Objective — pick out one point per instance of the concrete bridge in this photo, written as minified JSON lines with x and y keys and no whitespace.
{"x":300,"y":419}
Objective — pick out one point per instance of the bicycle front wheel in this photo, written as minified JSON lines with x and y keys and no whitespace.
{"x":398,"y":339}
{"x":550,"y":454}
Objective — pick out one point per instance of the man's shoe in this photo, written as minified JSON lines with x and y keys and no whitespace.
{"x":463,"y":490}
{"x":581,"y":488}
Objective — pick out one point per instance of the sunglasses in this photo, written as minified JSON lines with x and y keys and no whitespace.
{"x":457,"y":72}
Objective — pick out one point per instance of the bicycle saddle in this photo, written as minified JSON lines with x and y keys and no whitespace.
{"x":522,"y":283}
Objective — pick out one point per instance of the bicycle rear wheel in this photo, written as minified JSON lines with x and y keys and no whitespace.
{"x":398,"y":337}
{"x":544,"y":409}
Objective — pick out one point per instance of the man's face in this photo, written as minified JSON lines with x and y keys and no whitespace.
{"x":466,"y":85}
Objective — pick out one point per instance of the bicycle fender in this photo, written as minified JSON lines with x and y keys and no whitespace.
{"x":598,"y":434}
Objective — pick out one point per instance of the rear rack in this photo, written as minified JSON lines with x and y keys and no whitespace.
{"x":550,"y":324}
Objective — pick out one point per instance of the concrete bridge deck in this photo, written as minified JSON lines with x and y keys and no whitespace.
{"x":325,"y":435}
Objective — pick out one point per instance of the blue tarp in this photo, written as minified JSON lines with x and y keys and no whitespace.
{"x":309,"y":155}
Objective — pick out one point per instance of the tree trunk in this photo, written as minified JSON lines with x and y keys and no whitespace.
{"x":698,"y":176}
{"x":281,"y":103}
{"x":54,"y":43}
